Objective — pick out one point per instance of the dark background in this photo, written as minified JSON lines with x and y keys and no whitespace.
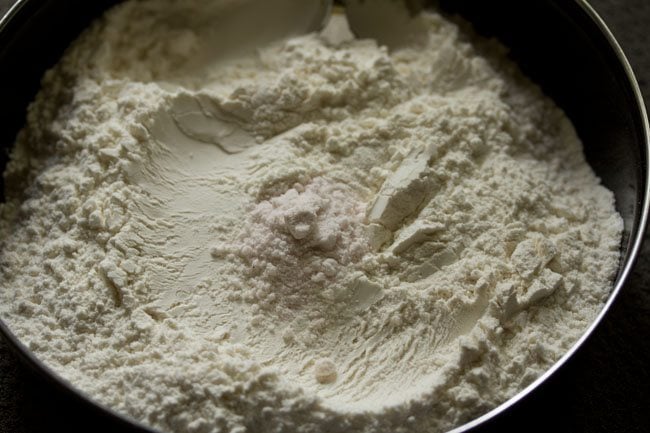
{"x":604,"y":388}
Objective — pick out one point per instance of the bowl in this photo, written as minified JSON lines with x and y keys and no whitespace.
{"x":562,"y":45}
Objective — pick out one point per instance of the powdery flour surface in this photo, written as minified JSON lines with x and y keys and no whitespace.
{"x":323,"y":236}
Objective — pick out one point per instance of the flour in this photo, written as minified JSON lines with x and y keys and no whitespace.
{"x":322,"y":235}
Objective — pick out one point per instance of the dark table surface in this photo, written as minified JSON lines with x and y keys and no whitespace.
{"x":604,"y":388}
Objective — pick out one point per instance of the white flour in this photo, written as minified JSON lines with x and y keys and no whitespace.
{"x":321,"y":237}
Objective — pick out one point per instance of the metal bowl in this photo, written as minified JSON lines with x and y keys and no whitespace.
{"x":562,"y":45}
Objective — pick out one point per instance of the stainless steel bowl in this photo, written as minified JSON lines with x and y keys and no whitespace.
{"x":562,"y":45}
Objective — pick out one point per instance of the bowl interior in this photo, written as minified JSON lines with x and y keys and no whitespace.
{"x":559,"y":46}
{"x":556,"y":43}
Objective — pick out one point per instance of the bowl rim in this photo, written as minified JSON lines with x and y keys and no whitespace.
{"x":55,"y":379}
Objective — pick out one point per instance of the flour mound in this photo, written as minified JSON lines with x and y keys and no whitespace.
{"x":296,"y":243}
{"x":320,"y":235}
